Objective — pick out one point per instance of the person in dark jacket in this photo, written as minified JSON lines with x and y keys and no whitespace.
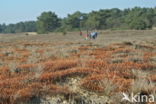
{"x":94,"y":35}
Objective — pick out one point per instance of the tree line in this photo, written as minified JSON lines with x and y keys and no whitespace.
{"x":135,"y":18}
{"x":28,"y":26}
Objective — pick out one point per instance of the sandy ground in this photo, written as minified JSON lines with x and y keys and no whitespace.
{"x":105,"y":38}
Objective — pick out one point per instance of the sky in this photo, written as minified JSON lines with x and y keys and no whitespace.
{"x":13,"y":11}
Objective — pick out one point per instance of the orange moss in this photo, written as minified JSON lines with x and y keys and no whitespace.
{"x":153,"y":78}
{"x":2,"y":55}
{"x":41,"y":51}
{"x":60,"y":64}
{"x":64,"y":73}
{"x":94,"y":81}
{"x":26,"y":67}
{"x":4,"y":70}
{"x":21,"y":87}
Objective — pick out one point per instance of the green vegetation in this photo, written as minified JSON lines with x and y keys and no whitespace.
{"x":29,"y":26}
{"x":136,"y":18}
{"x":47,"y":22}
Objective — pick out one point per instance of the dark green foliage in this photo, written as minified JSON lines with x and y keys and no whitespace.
{"x":47,"y":22}
{"x":140,"y":18}
{"x":74,"y":21}
{"x":29,"y":26}
{"x":114,"y":19}
{"x":93,"y":21}
{"x":135,"y":18}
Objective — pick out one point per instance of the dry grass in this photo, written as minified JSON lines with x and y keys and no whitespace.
{"x":75,"y":70}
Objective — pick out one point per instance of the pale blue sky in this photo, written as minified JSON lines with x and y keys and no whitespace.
{"x":12,"y":11}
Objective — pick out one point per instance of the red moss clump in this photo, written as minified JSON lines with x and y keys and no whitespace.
{"x":64,"y":73}
{"x":60,"y":64}
{"x":94,"y":82}
{"x":2,"y":55}
{"x":153,"y":78}
{"x":41,"y":51}
{"x":26,"y":67}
